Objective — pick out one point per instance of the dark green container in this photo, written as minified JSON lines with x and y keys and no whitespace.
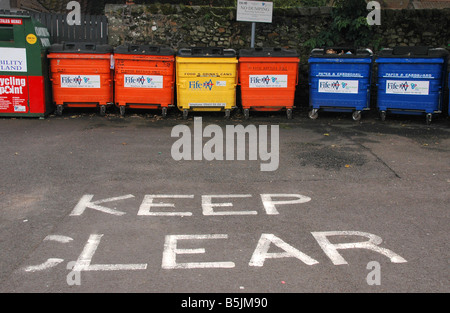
{"x":24,"y":71}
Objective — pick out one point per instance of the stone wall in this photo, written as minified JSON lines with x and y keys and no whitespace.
{"x":181,"y":26}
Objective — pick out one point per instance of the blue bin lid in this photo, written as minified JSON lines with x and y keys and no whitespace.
{"x":341,"y":55}
{"x":341,"y":52}
{"x":412,"y":55}
{"x":413,"y":52}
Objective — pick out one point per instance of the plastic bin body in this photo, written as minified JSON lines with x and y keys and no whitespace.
{"x":411,"y":81}
{"x":206,"y":79}
{"x":81,"y":74}
{"x":144,"y":77}
{"x":340,"y":83}
{"x":25,"y":90}
{"x":268,"y":78}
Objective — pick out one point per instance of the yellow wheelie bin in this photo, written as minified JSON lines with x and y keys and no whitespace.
{"x":206,"y":80}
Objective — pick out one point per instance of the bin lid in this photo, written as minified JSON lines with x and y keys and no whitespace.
{"x":204,"y":52}
{"x":81,"y":47}
{"x":341,"y":52}
{"x":268,"y":52}
{"x":413,"y":52}
{"x":144,"y":50}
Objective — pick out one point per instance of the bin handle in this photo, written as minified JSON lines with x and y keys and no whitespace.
{"x":90,"y":47}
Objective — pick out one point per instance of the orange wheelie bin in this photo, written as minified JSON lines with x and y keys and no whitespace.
{"x":268,"y":78}
{"x":81,"y":75}
{"x":144,"y":77}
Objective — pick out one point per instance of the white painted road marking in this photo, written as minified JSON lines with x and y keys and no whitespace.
{"x":268,"y":201}
{"x":85,"y":202}
{"x":44,"y":266}
{"x":208,"y":205}
{"x":147,"y":204}
{"x":84,"y":260}
{"x":58,"y":238}
{"x":372,"y":244}
{"x":261,"y":252}
{"x":270,"y":204}
{"x":170,"y":253}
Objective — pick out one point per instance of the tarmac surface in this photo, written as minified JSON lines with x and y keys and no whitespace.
{"x":98,"y":204}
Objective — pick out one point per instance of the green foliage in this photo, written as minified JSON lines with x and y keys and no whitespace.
{"x":348,"y":26}
{"x":323,"y":39}
{"x":313,"y":3}
{"x":350,"y":21}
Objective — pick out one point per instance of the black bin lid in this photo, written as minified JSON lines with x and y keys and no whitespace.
{"x":80,"y":47}
{"x":413,"y":52}
{"x":268,"y":52}
{"x":144,"y":50}
{"x":204,"y":52}
{"x":341,"y":52}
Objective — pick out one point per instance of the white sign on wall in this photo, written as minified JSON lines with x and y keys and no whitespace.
{"x":254,"y":11}
{"x":13,"y":60}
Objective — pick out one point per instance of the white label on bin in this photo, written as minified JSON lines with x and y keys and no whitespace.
{"x":80,"y":81}
{"x":402,"y":87}
{"x":207,"y":104}
{"x":338,"y":86}
{"x":13,"y":60}
{"x":20,"y":108}
{"x":268,"y":81}
{"x":221,"y":83}
{"x":143,"y":81}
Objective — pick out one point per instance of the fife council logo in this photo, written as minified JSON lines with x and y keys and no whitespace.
{"x":208,"y":85}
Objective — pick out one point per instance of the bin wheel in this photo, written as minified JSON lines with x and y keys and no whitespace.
{"x":429,"y":118}
{"x":289,"y":114}
{"x":59,"y":110}
{"x":122,"y":110}
{"x":185,"y":114}
{"x":246,"y":114}
{"x":103,"y":110}
{"x":356,"y":116}
{"x":164,"y":112}
{"x":313,"y":114}
{"x":383,"y":116}
{"x":227,"y":114}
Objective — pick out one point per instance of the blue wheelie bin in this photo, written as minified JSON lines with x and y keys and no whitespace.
{"x":411,"y":80}
{"x":340,"y":80}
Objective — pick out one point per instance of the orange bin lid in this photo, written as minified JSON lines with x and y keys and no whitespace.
{"x":80,"y":50}
{"x":269,"y":55}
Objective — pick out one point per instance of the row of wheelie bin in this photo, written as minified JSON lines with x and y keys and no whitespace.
{"x":409,"y":80}
{"x":144,"y":76}
{"x":402,"y":80}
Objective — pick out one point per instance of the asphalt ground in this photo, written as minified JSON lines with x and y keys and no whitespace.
{"x":388,"y":179}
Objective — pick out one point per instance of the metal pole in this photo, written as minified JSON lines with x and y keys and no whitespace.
{"x":253,"y":35}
